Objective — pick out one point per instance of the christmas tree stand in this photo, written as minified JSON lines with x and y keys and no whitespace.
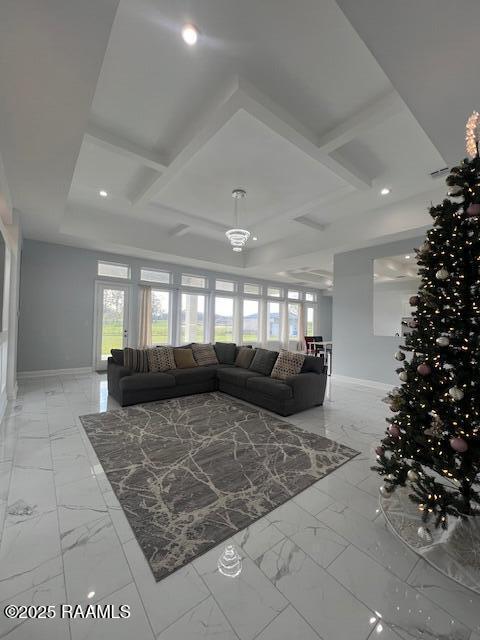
{"x":455,"y":552}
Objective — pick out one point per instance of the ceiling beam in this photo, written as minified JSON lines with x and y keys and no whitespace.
{"x":209,"y":127}
{"x":285,"y":125}
{"x":113,"y":142}
{"x":179,"y":230}
{"x":245,"y":96}
{"x":361,"y":122}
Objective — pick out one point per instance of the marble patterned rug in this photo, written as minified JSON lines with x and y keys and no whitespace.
{"x":190,"y":472}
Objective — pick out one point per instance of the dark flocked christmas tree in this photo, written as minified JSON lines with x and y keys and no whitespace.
{"x":432,"y":443}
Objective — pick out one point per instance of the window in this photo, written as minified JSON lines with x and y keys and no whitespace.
{"x":294,"y":295}
{"x":310,"y":297}
{"x":254,"y":289}
{"x":153,"y":275}
{"x":273,"y":321}
{"x":192,"y":318}
{"x":293,"y":321}
{"x":160,"y":317}
{"x":273,"y":292}
{"x":310,"y":322}
{"x":193,"y":281}
{"x":224,"y":285}
{"x":113,"y":270}
{"x":224,"y":319}
{"x":250,"y":321}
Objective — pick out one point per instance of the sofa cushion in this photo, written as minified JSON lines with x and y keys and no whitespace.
{"x":193,"y":375}
{"x":184,"y":358}
{"x":135,"y":359}
{"x":270,"y":387}
{"x":288,"y":364}
{"x":225,"y":352}
{"x":244,"y":357}
{"x":160,"y":359}
{"x":236,"y":376}
{"x":313,"y":364}
{"x":204,"y":354}
{"x":139,"y":381}
{"x":117,"y":355}
{"x":263,"y":361}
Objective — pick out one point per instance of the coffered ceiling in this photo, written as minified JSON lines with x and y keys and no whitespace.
{"x":283,"y":99}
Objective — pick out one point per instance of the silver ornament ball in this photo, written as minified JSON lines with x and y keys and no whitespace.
{"x":384,"y":491}
{"x":403,"y":375}
{"x":442,"y":274}
{"x":390,"y":477}
{"x":443,"y":341}
{"x":412,"y":475}
{"x":399,"y":355}
{"x":456,"y":393}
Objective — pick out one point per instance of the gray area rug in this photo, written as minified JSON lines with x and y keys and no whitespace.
{"x":190,"y":472}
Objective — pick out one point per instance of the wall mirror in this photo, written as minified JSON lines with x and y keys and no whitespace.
{"x":395,"y":280}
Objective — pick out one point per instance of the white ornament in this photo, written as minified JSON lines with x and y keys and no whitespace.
{"x":424,"y":534}
{"x":230,"y":564}
{"x":443,"y":341}
{"x":412,"y":475}
{"x":403,"y":375}
{"x":456,"y":393}
{"x":390,"y":477}
{"x":399,"y":355}
{"x":442,"y":274}
{"x":384,"y":491}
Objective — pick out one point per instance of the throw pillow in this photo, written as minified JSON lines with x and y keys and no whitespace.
{"x":160,"y":359}
{"x":263,"y":361}
{"x":245,"y":357}
{"x":226,"y":352}
{"x":117,"y":355}
{"x":184,"y":358}
{"x":135,"y":359}
{"x":288,"y":364}
{"x":204,"y":354}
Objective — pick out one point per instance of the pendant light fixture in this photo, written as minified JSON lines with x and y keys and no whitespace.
{"x":237,"y":237}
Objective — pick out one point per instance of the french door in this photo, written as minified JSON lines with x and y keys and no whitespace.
{"x":112,"y":319}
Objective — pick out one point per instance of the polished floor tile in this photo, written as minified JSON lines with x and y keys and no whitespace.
{"x":322,"y":566}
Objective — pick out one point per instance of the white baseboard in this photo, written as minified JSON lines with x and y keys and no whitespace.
{"x":363,"y":382}
{"x":53,"y":372}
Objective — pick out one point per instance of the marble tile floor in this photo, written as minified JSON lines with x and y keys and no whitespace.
{"x":322,"y":566}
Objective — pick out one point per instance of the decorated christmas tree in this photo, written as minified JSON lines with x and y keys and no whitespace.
{"x":432,"y":443}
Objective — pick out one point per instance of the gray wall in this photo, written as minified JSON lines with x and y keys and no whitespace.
{"x":325,"y":317}
{"x":57,"y":297}
{"x":358,"y":353}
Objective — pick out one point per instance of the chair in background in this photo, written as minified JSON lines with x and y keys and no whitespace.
{"x":318,"y":348}
{"x":309,"y":347}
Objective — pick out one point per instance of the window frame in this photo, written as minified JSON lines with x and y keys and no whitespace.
{"x":224,"y":297}
{"x":193,"y":286}
{"x":155,"y":282}
{"x":272,"y":296}
{"x":242,"y":320}
{"x":115,"y":264}
{"x":257,"y":293}
{"x":232,"y":291}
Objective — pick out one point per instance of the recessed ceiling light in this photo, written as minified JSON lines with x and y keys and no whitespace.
{"x":407,"y":257}
{"x":90,"y":594}
{"x":385,"y":191}
{"x":190,"y":34}
{"x":103,"y":193}
{"x":254,"y":238}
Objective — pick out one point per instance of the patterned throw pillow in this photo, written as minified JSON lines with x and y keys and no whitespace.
{"x":204,"y":354}
{"x":160,"y":359}
{"x":288,"y":364}
{"x":135,"y":359}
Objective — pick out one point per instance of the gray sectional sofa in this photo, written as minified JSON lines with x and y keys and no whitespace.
{"x":285,"y":397}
